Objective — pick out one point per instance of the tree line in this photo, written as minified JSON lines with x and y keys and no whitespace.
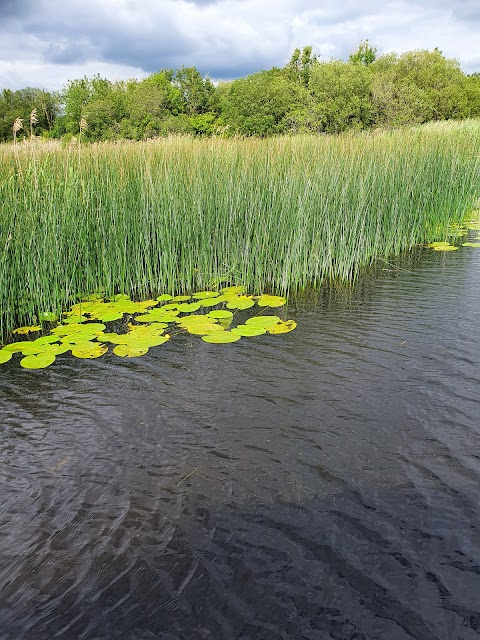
{"x":306,"y":95}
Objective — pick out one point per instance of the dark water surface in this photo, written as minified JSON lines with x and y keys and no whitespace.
{"x":324,"y":484}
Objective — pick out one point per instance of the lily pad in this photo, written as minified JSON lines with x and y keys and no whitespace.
{"x":211,"y":302}
{"x":181,"y":298}
{"x":46,"y":340}
{"x":89,"y":350}
{"x":188,"y":307}
{"x":15,"y":347}
{"x":263,"y":321}
{"x":198,"y":329}
{"x":5,"y":356}
{"x":248,"y":330}
{"x":471,"y":244}
{"x":220,"y":314}
{"x":111,"y":316}
{"x":223,"y":337}
{"x":282,"y":327}
{"x":127,"y":351}
{"x":228,"y":291}
{"x":24,"y":330}
{"x":445,"y":248}
{"x":41,"y":361}
{"x":271,"y":301}
{"x":240,"y":302}
{"x":164,"y":297}
{"x":74,"y":319}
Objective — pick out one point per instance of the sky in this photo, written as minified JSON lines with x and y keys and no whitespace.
{"x":46,"y":43}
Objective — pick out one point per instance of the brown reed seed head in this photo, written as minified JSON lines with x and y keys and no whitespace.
{"x":17,"y":125}
{"x":33,"y":117}
{"x":83,"y":124}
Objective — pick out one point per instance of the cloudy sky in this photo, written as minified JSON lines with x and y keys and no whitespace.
{"x":45,"y":43}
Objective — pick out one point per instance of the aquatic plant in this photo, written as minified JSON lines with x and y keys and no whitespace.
{"x":81,"y":334}
{"x":277,"y":215}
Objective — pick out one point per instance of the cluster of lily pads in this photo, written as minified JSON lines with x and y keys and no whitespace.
{"x":459,"y":231}
{"x":208,"y":314}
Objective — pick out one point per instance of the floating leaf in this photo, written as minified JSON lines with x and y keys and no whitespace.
{"x":32,"y":349}
{"x":5,"y":356}
{"x":248,"y":330}
{"x":441,"y":243}
{"x":164,"y":297}
{"x":78,"y":338}
{"x":121,"y":296}
{"x":168,"y":307}
{"x":203,"y":329}
{"x":111,"y":316}
{"x":74,"y":319}
{"x":24,"y":330}
{"x":15,"y":347}
{"x":114,"y":338}
{"x":219,"y":314}
{"x":188,"y":307}
{"x":211,"y":302}
{"x":127,"y":351}
{"x":263,"y":321}
{"x":282,"y":327}
{"x":41,"y":361}
{"x":180,"y":298}
{"x":46,"y":340}
{"x":445,"y":248}
{"x":158,"y":317}
{"x":89,"y":350}
{"x":57,"y":349}
{"x":240,"y":302}
{"x":471,"y":244}
{"x":271,"y":301}
{"x":223,"y":337}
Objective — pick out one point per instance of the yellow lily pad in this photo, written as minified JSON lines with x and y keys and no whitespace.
{"x":203,"y":329}
{"x":282,"y":327}
{"x":24,"y":330}
{"x":220,"y":314}
{"x":89,"y":350}
{"x":203,"y":295}
{"x":471,"y":244}
{"x":188,"y":307}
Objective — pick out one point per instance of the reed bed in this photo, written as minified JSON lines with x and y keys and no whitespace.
{"x":180,"y":214}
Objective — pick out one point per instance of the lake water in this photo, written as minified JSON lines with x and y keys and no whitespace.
{"x":323,"y":484}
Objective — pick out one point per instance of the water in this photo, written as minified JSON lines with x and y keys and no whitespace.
{"x":324,"y":484}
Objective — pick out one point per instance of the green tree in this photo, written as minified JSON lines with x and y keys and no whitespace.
{"x":365,"y":54}
{"x":341,"y":96}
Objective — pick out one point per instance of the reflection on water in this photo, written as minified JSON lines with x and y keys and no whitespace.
{"x":322,"y":484}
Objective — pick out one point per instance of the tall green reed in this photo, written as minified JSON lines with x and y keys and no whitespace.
{"x":279,"y":214}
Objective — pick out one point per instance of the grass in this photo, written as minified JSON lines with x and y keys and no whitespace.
{"x":180,"y":214}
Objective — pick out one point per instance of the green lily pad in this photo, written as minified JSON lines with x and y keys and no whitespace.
{"x":236,"y":291}
{"x":46,"y":340}
{"x":78,"y":338}
{"x":164,"y":297}
{"x":41,"y":361}
{"x":111,"y":316}
{"x":223,"y":337}
{"x":445,"y":248}
{"x":158,"y":317}
{"x":471,"y":244}
{"x":282,"y":327}
{"x":240,"y":303}
{"x":74,"y":319}
{"x":121,"y":296}
{"x":57,"y":349}
{"x":127,"y":351}
{"x":198,"y":329}
{"x":188,"y":307}
{"x":31,"y":349}
{"x":181,"y":298}
{"x":15,"y":347}
{"x":114,"y":338}
{"x":168,"y":307}
{"x":271,"y":301}
{"x":5,"y":356}
{"x":263,"y":321}
{"x":211,"y":302}
{"x":220,"y":314}
{"x":248,"y":330}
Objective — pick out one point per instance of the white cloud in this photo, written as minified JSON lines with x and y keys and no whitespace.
{"x":47,"y":42}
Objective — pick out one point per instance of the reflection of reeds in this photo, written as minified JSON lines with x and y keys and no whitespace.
{"x":278,"y":214}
